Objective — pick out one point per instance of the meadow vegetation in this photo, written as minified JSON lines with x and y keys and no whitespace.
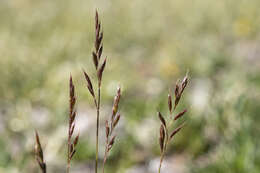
{"x":149,"y":47}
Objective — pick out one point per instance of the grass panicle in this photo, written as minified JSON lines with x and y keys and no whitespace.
{"x":100,"y":65}
{"x":166,"y":132}
{"x":110,"y":126}
{"x":72,"y":114}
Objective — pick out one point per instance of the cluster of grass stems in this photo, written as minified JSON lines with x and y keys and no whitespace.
{"x":111,"y":123}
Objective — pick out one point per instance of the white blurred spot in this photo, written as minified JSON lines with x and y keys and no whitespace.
{"x":154,"y":86}
{"x":200,"y":94}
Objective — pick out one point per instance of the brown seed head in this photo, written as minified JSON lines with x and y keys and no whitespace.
{"x":180,"y":114}
{"x":116,"y":102}
{"x":112,"y":141}
{"x":107,"y":129}
{"x":162,"y":119}
{"x":72,"y":154}
{"x":71,"y":129}
{"x":76,"y":140}
{"x":162,"y":137}
{"x":176,"y":91}
{"x":96,"y":19}
{"x":100,"y":50}
{"x":100,"y":72}
{"x":72,"y":95}
{"x":170,"y":103}
{"x":116,"y":120}
{"x":38,"y":147}
{"x":176,"y":130}
{"x":99,"y":44}
{"x":95,"y":59}
{"x":89,"y":84}
{"x":99,"y":36}
{"x":39,"y":153}
{"x":184,"y":82}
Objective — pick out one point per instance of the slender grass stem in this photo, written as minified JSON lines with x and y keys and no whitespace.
{"x":97,"y":130}
{"x":68,"y":167}
{"x":161,"y":160}
{"x":68,"y":159}
{"x":164,"y":150}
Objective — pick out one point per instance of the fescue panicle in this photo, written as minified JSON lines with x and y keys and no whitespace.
{"x":115,"y":117}
{"x":164,"y":137}
{"x":39,"y":153}
{"x":96,"y":55}
{"x":71,"y":143}
{"x":100,"y":67}
{"x":98,"y":37}
{"x":98,"y":50}
{"x":99,"y":34}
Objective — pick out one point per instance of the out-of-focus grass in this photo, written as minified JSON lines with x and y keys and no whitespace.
{"x":149,"y":45}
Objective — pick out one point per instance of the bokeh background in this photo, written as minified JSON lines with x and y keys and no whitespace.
{"x":149,"y":45}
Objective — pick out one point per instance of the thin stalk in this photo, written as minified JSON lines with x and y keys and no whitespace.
{"x":161,"y":160}
{"x":68,"y":167}
{"x":68,"y":155}
{"x":97,"y":129}
{"x":68,"y":162}
{"x":162,"y":156}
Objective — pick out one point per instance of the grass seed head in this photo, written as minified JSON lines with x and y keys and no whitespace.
{"x":162,"y":119}
{"x":176,"y":130}
{"x":179,"y":115}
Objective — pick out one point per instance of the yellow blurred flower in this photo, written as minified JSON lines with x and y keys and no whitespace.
{"x":242,"y":27}
{"x":168,"y":68}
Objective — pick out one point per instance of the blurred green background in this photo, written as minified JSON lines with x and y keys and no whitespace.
{"x":149,"y":44}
